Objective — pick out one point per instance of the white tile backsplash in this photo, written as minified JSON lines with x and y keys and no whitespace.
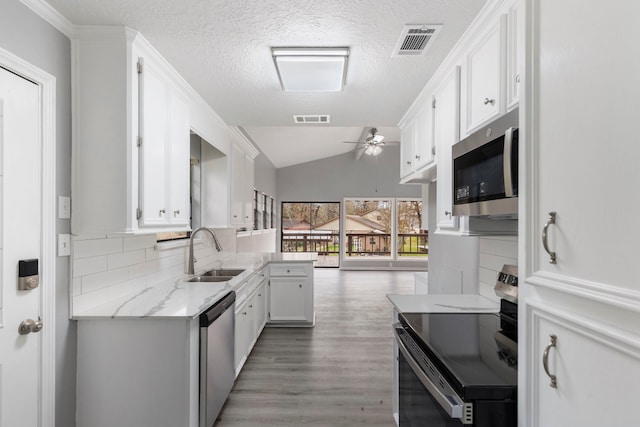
{"x":108,"y":267}
{"x":495,"y":251}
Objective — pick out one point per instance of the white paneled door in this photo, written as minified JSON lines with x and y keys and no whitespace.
{"x":21,"y":227}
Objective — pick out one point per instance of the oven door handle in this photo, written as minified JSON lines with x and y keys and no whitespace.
{"x":452,"y":405}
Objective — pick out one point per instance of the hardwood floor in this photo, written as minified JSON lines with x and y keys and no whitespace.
{"x":338,"y":373}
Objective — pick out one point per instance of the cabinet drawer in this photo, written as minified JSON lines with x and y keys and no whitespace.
{"x":287,"y":270}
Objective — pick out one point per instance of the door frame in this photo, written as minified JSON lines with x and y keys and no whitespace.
{"x":47,"y":85}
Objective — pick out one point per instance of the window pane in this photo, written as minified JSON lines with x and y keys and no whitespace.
{"x":312,"y":227}
{"x":411,"y":239}
{"x":368,"y":228}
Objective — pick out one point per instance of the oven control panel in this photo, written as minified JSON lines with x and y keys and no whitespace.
{"x":507,"y":284}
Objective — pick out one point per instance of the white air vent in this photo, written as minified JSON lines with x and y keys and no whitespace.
{"x":415,"y":39}
{"x":317,"y":118}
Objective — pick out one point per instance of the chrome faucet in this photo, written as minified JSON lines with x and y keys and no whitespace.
{"x":193,"y":234}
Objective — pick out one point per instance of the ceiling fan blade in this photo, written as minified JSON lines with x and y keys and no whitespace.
{"x":377,"y":138}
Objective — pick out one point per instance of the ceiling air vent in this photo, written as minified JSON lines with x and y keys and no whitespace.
{"x":313,"y":118}
{"x":415,"y":39}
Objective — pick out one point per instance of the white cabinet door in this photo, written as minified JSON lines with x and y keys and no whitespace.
{"x":423,"y":137}
{"x":288,"y":299}
{"x":596,"y":368}
{"x":260,"y":304}
{"x":154,"y":126}
{"x":484,"y":77}
{"x":406,"y":149}
{"x":180,"y":161}
{"x":237,"y":186}
{"x":515,"y":53}
{"x":243,"y":334}
{"x":248,"y":192}
{"x":446,"y":126}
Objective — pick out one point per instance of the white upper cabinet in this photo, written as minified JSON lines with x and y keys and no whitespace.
{"x":417,"y":147}
{"x":164,"y":150}
{"x":483,"y":87}
{"x":130,"y":157}
{"x":446,"y":125}
{"x":242,"y":184}
{"x":515,"y":54}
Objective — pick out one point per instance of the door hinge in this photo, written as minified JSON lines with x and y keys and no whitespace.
{"x":138,"y":213}
{"x":433,"y":103}
{"x":139,"y":141}
{"x":140,"y":67}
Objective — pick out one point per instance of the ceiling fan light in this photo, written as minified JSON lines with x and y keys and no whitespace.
{"x":373,"y":150}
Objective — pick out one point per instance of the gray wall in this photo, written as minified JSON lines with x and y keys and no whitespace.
{"x":331,"y":179}
{"x":25,"y":34}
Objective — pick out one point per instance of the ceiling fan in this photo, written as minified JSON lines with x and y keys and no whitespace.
{"x":372,"y":145}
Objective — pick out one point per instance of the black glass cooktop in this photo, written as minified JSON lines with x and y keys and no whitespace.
{"x":469,"y":351}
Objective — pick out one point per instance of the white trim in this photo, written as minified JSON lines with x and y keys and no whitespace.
{"x":52,"y":16}
{"x":47,"y":84}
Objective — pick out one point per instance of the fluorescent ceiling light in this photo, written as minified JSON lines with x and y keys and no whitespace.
{"x":311,"y":69}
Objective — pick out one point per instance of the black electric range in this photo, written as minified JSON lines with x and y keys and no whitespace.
{"x":460,"y":369}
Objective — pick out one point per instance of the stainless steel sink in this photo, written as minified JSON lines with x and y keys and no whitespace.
{"x":205,"y":278}
{"x":232,"y":272}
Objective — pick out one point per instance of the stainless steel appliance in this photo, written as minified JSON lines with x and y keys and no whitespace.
{"x":217,"y":369}
{"x":459,"y":369}
{"x":485,"y":170}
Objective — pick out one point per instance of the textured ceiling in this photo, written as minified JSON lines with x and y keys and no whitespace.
{"x":222,"y":48}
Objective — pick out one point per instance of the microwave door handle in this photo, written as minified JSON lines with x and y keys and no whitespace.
{"x":506,"y":163}
{"x":452,"y":405}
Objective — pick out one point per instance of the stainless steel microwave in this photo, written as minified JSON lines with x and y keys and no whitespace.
{"x":485,"y":170}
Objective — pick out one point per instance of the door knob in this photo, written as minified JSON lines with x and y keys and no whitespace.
{"x":29,"y":325}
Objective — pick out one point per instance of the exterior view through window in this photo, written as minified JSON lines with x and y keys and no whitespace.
{"x":380,"y":228}
{"x":312,"y":227}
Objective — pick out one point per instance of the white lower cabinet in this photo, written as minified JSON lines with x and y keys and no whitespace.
{"x":291,"y":294}
{"x":250,"y":316}
{"x":594,"y":364}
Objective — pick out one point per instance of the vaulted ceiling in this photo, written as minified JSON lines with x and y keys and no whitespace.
{"x":223,"y":49}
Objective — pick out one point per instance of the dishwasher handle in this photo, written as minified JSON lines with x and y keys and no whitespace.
{"x":217,"y":309}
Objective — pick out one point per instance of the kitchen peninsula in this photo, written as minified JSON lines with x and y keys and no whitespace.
{"x":138,"y":355}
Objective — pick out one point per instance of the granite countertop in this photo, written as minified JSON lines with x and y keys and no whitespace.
{"x":443,"y":303}
{"x":178,"y":298}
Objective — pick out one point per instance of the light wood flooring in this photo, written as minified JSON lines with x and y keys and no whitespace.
{"x":338,"y":373}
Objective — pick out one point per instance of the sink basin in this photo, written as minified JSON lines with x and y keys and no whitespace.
{"x":205,"y":278}
{"x":230,"y":272}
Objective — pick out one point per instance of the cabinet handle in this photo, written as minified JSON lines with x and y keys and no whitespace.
{"x":288,"y":271}
{"x":300,"y":285}
{"x":517,"y":78}
{"x":417,"y":157}
{"x":162,"y":212}
{"x":259,"y":295}
{"x":551,"y":221}
{"x":408,"y":162}
{"x":176,"y":213}
{"x":447,"y":213}
{"x":489,"y":101}
{"x":545,"y":361}
{"x":244,"y":313}
{"x":251,"y":306}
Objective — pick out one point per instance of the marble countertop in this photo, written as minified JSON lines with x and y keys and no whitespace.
{"x":178,"y":298}
{"x":443,"y":303}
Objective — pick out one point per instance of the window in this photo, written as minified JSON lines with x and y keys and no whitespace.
{"x":312,"y":227}
{"x":387,"y":228}
{"x":411,"y":239}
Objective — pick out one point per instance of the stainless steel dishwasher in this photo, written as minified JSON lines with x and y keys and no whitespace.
{"x":217,"y":369}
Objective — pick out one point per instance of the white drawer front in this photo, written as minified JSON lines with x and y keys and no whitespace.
{"x":287,"y":270}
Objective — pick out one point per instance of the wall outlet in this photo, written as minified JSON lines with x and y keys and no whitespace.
{"x":64,"y":207}
{"x":64,"y":244}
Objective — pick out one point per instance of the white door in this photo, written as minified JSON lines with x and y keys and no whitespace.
{"x":20,"y":227}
